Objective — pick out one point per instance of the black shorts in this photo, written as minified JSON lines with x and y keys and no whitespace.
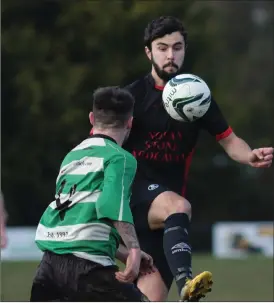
{"x":151,"y":241}
{"x":64,"y":278}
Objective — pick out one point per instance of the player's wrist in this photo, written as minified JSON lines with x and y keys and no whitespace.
{"x":135,"y":253}
{"x":135,"y":250}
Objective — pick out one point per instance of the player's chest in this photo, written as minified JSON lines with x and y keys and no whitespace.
{"x":152,"y":117}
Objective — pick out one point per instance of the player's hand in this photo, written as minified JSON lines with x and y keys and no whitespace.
{"x":261,"y":157}
{"x":131,"y":271}
{"x":146,"y":266}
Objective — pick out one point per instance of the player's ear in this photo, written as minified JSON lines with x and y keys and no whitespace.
{"x":129,"y":123}
{"x":148,"y":52}
{"x":91,"y":118}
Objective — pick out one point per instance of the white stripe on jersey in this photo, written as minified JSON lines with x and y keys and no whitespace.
{"x":90,"y":142}
{"x":77,"y":232}
{"x":78,"y":197}
{"x":82,"y":167}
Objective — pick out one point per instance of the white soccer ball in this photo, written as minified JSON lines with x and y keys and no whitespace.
{"x":186,"y":97}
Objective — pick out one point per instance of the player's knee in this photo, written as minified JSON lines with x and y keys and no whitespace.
{"x":179,"y":205}
{"x":165,"y":205}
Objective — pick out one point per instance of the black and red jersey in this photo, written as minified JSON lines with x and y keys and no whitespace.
{"x":163,"y":146}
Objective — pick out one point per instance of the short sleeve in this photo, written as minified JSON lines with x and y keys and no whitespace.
{"x":114,"y":200}
{"x":215,"y":123}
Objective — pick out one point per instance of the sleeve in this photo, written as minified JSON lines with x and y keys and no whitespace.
{"x":215,"y":123}
{"x":113,"y":202}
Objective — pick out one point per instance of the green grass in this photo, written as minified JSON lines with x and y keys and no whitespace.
{"x":234,"y":280}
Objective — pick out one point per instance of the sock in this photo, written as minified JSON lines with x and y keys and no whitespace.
{"x":177,"y":249}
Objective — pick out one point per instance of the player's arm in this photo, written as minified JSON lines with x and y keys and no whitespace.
{"x":122,"y":253}
{"x":236,"y":148}
{"x":128,"y":234}
{"x":113,"y":204}
{"x":240,"y":151}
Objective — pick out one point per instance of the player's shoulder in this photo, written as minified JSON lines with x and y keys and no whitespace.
{"x":119,"y":154}
{"x":137,"y":87}
{"x":135,"y":84}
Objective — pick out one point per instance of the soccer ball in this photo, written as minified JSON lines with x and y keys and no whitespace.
{"x":186,"y":97}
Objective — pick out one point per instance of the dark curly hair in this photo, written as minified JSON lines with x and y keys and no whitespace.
{"x":162,"y":26}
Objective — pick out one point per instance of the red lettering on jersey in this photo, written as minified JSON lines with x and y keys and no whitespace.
{"x":168,"y":135}
{"x":155,"y":135}
{"x":167,"y":157}
{"x":172,"y":136}
{"x":154,"y":156}
{"x":180,"y":135}
{"x":170,"y":146}
{"x":158,"y":156}
{"x":148,"y":144}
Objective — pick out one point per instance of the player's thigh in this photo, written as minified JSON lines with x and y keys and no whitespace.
{"x":164,"y":205}
{"x":144,"y":192}
{"x":153,"y":203}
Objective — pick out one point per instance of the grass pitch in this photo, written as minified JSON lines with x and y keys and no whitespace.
{"x":234,"y":280}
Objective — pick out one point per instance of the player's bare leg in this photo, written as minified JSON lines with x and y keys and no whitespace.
{"x":173,"y":213}
{"x":153,"y":287}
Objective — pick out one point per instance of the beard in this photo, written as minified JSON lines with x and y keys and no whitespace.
{"x":166,"y":76}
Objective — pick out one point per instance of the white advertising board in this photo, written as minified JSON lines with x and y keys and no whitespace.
{"x":21,"y":245}
{"x":242,"y":239}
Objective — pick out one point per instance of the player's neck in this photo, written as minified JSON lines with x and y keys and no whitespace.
{"x":158,"y":81}
{"x":117,"y":135}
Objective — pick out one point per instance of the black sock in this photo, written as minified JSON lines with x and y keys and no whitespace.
{"x":177,"y":249}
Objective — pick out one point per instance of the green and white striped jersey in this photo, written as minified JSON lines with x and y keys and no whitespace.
{"x":93,"y":189}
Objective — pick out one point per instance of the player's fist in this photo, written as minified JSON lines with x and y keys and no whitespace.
{"x":261,"y":157}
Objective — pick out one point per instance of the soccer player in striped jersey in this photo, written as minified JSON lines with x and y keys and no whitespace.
{"x":80,"y":231}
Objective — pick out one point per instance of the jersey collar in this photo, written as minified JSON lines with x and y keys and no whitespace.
{"x":152,"y":82}
{"x":101,"y":136}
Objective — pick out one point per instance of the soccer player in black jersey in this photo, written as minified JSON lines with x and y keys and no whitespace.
{"x":163,"y":148}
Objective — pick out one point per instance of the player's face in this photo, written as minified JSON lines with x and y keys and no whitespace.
{"x":167,"y":55}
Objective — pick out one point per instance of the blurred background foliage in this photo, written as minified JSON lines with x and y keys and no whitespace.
{"x":55,"y":53}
